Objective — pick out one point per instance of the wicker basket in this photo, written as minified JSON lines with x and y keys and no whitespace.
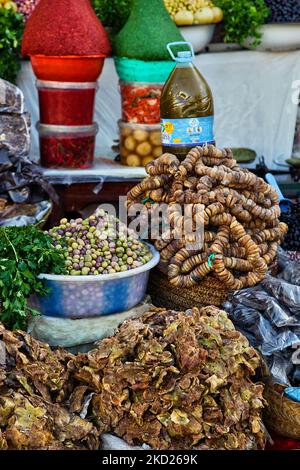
{"x":282,"y":415}
{"x":163,"y":294}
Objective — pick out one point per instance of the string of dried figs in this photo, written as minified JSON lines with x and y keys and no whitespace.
{"x":239,"y":211}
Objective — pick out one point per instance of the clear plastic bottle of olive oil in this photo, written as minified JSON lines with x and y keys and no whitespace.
{"x":186,"y":108}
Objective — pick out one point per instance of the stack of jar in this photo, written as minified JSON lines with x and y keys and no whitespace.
{"x":143,"y":65}
{"x":140,"y":134}
{"x":67,"y":46}
{"x":66,"y":129}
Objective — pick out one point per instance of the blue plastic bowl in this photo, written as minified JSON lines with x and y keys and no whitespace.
{"x":94,"y":296}
{"x":133,"y":70}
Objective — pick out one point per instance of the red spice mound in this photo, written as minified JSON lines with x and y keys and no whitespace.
{"x":65,"y":27}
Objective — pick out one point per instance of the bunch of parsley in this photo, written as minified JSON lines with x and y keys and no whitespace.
{"x":25,"y":252}
{"x":113,"y":13}
{"x":243,"y":19}
{"x":11,"y":32}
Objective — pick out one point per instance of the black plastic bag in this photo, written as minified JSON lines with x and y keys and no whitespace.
{"x":288,"y":295}
{"x":259,"y":330}
{"x":269,"y":307}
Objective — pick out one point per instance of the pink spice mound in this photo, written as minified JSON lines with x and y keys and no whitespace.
{"x":65,"y":27}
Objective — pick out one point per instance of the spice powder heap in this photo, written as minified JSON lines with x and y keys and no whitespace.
{"x":65,"y":27}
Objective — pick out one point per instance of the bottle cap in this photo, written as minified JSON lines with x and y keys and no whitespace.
{"x":182,"y":56}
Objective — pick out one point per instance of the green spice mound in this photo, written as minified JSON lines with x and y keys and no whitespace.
{"x":147,"y":32}
{"x":176,"y":381}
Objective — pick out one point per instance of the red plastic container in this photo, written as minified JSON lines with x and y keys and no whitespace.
{"x":66,"y":104}
{"x":67,"y":146}
{"x":67,"y":68}
{"x":141,"y":102}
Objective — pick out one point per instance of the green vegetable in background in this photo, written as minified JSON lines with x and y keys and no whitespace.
{"x":25,"y":252}
{"x":113,"y":13}
{"x":11,"y":31}
{"x":243,"y":19}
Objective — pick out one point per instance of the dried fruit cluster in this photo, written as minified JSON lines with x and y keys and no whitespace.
{"x":240,"y":213}
{"x":34,"y":381}
{"x":174,"y":381}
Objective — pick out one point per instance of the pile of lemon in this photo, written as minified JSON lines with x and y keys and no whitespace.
{"x":187,"y":12}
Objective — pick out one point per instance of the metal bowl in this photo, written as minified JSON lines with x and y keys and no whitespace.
{"x":200,"y":35}
{"x":94,"y":296}
{"x":293,"y":162}
{"x":278,"y":37}
{"x":244,"y":155}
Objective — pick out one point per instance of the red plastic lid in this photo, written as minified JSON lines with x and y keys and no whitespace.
{"x":65,"y":27}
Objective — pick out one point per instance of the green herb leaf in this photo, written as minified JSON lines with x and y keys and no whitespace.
{"x":113,"y":13}
{"x":25,"y":252}
{"x":11,"y":31}
{"x":243,"y":19}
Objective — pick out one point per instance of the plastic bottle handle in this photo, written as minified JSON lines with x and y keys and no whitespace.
{"x":180,"y":43}
{"x":272,"y":181}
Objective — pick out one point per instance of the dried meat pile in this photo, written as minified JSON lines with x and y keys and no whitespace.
{"x":174,"y":381}
{"x":34,"y":381}
{"x":239,"y":211}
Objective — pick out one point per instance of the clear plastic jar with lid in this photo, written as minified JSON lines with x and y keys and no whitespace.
{"x":139,"y":143}
{"x":67,"y":146}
